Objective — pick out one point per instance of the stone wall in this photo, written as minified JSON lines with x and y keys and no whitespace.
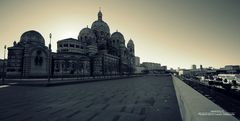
{"x":195,"y":107}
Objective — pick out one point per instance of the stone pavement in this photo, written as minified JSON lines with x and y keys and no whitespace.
{"x":148,"y":98}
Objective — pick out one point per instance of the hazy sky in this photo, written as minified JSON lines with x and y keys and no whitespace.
{"x":176,"y":33}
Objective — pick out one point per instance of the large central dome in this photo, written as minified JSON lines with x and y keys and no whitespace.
{"x":100,"y":26}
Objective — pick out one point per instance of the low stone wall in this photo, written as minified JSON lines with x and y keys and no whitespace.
{"x":195,"y":107}
{"x":64,"y":81}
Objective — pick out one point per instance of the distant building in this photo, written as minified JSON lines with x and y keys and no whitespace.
{"x":151,"y":66}
{"x":194,"y":67}
{"x":201,"y":67}
{"x":154,"y":68}
{"x":138,"y":68}
{"x":228,"y":69}
{"x":232,"y":69}
{"x":184,"y":72}
{"x":163,"y":67}
{"x":137,"y":61}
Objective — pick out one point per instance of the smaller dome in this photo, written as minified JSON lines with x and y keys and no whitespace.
{"x":87,"y":34}
{"x":33,"y":37}
{"x":130,"y":43}
{"x":118,"y":36}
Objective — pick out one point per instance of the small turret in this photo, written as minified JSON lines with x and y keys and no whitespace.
{"x":100,"y":15}
{"x":130,"y":46}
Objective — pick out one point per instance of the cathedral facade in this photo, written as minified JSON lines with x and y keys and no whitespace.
{"x":95,"y":52}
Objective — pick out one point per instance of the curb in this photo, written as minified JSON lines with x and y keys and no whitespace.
{"x":61,"y":83}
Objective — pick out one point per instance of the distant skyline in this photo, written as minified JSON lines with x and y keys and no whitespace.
{"x":171,"y":32}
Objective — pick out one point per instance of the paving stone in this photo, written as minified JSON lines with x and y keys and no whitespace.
{"x":149,"y":98}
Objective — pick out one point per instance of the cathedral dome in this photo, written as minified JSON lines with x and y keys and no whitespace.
{"x":130,"y":43}
{"x":32,"y":37}
{"x":86,"y":35}
{"x":99,"y":25}
{"x":118,"y":36}
{"x":86,"y":32}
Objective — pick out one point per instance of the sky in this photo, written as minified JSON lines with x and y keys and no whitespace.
{"x":176,"y":33}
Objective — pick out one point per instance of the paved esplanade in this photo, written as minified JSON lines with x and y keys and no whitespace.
{"x":149,"y":98}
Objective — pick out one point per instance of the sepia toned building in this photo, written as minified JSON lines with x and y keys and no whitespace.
{"x":95,"y":52}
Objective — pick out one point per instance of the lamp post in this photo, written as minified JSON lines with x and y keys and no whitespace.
{"x":62,"y":68}
{"x":3,"y":70}
{"x":50,"y":56}
{"x":78,"y":69}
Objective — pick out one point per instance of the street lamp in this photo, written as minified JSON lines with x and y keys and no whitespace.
{"x":78,"y":69}
{"x":50,"y":51}
{"x":62,"y":63}
{"x":3,"y":70}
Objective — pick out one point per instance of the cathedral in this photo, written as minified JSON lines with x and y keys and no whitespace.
{"x":95,"y":52}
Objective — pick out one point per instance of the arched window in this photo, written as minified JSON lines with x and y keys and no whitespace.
{"x":71,"y":45}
